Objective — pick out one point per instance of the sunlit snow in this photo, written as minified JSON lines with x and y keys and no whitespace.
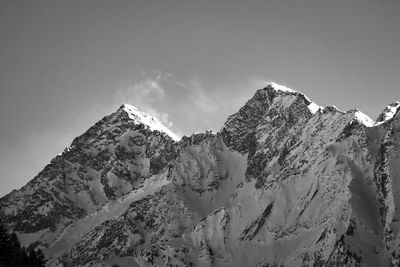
{"x":364,"y":119}
{"x":154,"y":123}
{"x":283,"y":88}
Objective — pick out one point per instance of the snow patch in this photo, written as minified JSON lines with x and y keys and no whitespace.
{"x":364,"y":119}
{"x":313,"y":107}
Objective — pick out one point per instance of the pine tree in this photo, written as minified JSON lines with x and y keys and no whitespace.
{"x":3,"y":245}
{"x":13,"y":255}
{"x":14,"y":248}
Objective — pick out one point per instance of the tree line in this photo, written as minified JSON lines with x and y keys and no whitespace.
{"x":12,"y":254}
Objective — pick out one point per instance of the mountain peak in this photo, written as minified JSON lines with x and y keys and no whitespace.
{"x":313,"y":107}
{"x":127,"y":107}
{"x":280,"y":87}
{"x":147,"y":119}
{"x":388,"y":112}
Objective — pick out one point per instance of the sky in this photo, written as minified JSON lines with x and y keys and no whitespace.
{"x":66,"y":64}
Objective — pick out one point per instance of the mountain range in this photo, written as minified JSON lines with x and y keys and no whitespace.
{"x":284,"y":182}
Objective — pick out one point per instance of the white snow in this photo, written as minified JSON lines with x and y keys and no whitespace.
{"x":282,"y":88}
{"x":313,"y":107}
{"x":364,"y":119}
{"x":151,"y":121}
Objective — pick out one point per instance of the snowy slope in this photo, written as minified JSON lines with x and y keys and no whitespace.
{"x":389,"y":112}
{"x":285,"y":182}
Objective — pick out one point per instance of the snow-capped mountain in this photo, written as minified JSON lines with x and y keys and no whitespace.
{"x":285,"y":182}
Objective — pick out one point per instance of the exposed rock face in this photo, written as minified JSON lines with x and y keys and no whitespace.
{"x":284,"y":182}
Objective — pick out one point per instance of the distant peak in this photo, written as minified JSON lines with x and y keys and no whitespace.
{"x":388,"y":112}
{"x":147,"y":119}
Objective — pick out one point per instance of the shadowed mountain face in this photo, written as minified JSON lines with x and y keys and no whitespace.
{"x":284,"y":182}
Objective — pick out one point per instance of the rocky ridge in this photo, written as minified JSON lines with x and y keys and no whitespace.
{"x":284,"y":182}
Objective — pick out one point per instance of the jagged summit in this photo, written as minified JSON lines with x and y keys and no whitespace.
{"x":361,"y":117}
{"x":126,"y":106}
{"x":144,"y":118}
{"x":313,"y":107}
{"x":281,"y":87}
{"x":389,"y":112}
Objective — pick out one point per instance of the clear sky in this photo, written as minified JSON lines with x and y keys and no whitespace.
{"x":66,"y":64}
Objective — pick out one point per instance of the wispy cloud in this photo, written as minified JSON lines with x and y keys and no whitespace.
{"x":193,"y":104}
{"x":146,"y":95}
